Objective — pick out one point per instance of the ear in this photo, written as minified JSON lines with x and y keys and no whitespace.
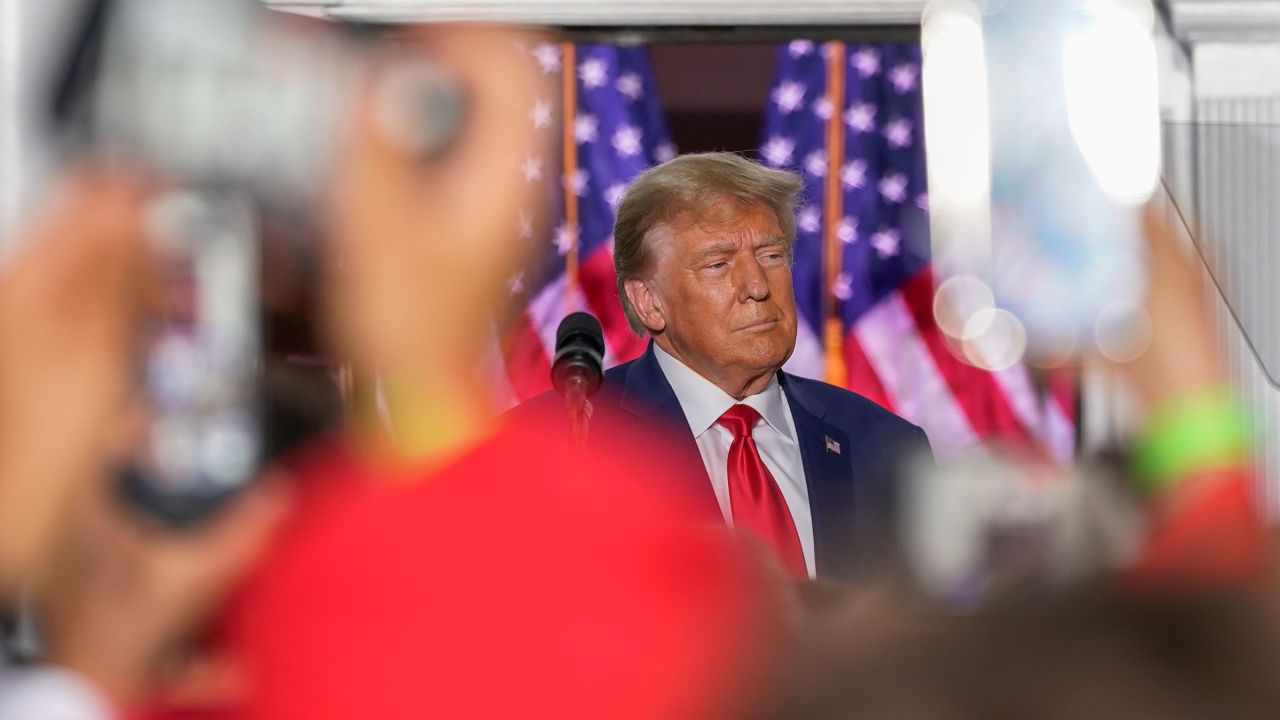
{"x":647,"y":305}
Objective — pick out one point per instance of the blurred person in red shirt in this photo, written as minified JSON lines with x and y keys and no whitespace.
{"x":451,"y":564}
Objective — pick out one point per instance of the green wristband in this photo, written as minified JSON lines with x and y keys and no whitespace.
{"x":1204,"y":430}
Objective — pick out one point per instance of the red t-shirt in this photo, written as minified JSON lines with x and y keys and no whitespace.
{"x":518,"y":580}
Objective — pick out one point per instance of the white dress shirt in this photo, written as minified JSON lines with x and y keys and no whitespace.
{"x":703,"y":404}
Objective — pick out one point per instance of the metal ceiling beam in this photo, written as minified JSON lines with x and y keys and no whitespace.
{"x":621,"y":13}
{"x":1225,"y":20}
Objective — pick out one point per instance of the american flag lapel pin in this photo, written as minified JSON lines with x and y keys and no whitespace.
{"x":832,"y":445}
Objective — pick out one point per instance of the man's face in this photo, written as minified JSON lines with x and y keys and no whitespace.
{"x":723,"y":286}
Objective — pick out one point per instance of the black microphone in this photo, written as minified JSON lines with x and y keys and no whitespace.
{"x":578,"y":367}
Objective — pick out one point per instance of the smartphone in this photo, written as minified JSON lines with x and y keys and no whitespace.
{"x":200,"y":359}
{"x":1044,"y":141}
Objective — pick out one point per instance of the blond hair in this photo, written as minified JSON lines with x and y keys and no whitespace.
{"x":692,"y":184}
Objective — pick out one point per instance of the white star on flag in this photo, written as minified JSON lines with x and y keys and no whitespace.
{"x":532,"y":169}
{"x":664,"y":152}
{"x":886,"y":242}
{"x":566,"y":238}
{"x":922,"y":201}
{"x":631,"y":85}
{"x":861,"y":117}
{"x":815,"y":163}
{"x":541,"y":114}
{"x":854,"y":174}
{"x":844,"y":286}
{"x":586,"y":128}
{"x":789,"y":96}
{"x":613,"y":194}
{"x":578,"y":182}
{"x":778,"y":150}
{"x":894,"y":188}
{"x":526,"y":226}
{"x":594,"y":73}
{"x":866,"y":61}
{"x":904,"y":77}
{"x":808,"y":220}
{"x":847,"y":230}
{"x":823,"y":108}
{"x":898,"y":132}
{"x":548,"y":57}
{"x":516,"y":284}
{"x":800,"y":48}
{"x":627,"y":141}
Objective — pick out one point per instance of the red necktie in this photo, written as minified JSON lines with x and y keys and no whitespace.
{"x":757,"y":503}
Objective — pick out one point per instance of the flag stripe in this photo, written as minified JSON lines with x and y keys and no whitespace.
{"x":862,"y":377}
{"x":528,"y":368}
{"x":807,"y":358}
{"x":910,"y":377}
{"x":979,"y":395}
{"x":599,"y":284}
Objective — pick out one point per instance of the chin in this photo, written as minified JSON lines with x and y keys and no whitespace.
{"x":766,"y":353}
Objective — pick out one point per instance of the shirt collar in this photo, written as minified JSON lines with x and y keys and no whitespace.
{"x":703,"y":402}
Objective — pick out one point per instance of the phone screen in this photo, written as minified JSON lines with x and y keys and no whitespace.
{"x":1043,"y":124}
{"x":200,"y":363}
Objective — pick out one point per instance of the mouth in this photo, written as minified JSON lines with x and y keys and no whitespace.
{"x":759,"y":325}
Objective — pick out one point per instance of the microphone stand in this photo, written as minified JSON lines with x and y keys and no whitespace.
{"x":579,"y":409}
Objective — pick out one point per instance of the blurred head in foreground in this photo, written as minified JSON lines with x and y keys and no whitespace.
{"x":1093,"y":655}
{"x":473,"y":569}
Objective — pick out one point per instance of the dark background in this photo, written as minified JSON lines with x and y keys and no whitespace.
{"x":715,"y":94}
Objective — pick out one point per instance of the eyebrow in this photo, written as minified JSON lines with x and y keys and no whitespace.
{"x":729,"y":246}
{"x":719,"y":248}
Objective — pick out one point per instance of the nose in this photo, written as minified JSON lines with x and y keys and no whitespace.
{"x":753,"y":283}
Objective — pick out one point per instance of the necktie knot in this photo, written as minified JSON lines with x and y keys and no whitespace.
{"x":739,"y":420}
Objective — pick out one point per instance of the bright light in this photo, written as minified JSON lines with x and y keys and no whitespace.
{"x":1112,"y":92}
{"x":955,"y":104}
{"x":959,"y":299}
{"x":994,"y":340}
{"x":958,"y":136}
{"x":1123,"y":331}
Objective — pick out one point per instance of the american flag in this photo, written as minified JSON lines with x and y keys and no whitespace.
{"x":880,"y":296}
{"x":614,"y":129}
{"x":867,"y":323}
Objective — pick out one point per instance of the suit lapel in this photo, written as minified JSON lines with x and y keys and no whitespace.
{"x":647,"y":394}
{"x":825,"y":452}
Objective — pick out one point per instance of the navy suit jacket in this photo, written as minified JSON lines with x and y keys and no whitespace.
{"x":855,"y":453}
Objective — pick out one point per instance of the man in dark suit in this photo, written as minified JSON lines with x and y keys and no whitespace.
{"x":702,"y":246}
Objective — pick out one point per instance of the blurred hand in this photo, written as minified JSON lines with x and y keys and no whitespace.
{"x":1182,"y":356}
{"x":124,"y":596}
{"x":68,"y":313}
{"x":422,"y":248}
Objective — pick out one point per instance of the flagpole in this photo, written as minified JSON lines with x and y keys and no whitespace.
{"x":570,"y":164}
{"x":834,"y":368}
